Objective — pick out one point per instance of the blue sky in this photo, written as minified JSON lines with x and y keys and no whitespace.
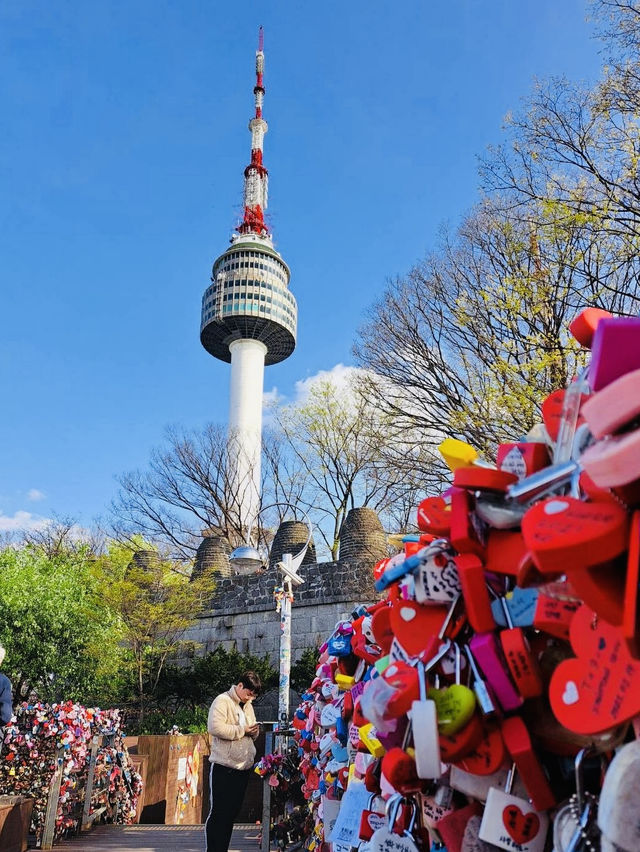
{"x":121,"y":157}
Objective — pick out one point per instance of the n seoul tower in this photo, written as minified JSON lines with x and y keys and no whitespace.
{"x":249,"y":317}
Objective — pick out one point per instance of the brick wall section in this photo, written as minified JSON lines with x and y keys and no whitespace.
{"x":243,"y":612}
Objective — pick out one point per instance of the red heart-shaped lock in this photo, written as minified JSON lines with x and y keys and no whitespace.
{"x":464,"y":742}
{"x":413,"y":624}
{"x":562,"y":531}
{"x":382,"y":629}
{"x":596,"y":690}
{"x":404,"y":679}
{"x":552,"y":412}
{"x":434,"y":516}
{"x":489,"y":755}
{"x":399,"y":768}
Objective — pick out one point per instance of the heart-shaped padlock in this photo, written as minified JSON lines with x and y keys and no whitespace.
{"x":455,"y":704}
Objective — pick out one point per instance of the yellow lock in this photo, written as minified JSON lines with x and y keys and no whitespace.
{"x":344,"y":681}
{"x":457,"y":453}
{"x":352,"y":771}
{"x":368,"y":736}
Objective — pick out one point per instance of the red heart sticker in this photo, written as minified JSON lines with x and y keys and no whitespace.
{"x":595,"y":691}
{"x":413,"y":624}
{"x":563,"y":531}
{"x":521,"y":827}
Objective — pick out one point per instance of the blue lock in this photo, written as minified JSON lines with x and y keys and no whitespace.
{"x":521,"y":604}
{"x":339,"y":646}
{"x":397,"y":572}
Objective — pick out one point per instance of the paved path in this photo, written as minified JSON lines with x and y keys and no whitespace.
{"x":156,"y":838}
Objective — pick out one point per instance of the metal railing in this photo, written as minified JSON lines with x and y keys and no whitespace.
{"x":269,"y":742}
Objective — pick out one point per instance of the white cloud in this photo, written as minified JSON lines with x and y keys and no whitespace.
{"x":34,"y":494}
{"x":22,"y":520}
{"x":270,"y":398}
{"x":340,"y":376}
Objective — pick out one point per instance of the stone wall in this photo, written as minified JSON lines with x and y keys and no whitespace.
{"x":243,"y":614}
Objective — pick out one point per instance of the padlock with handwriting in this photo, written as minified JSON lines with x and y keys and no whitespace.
{"x":436,"y":577}
{"x":372,"y":818}
{"x":385,"y":839}
{"x":512,"y":823}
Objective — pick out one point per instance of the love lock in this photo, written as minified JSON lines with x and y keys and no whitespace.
{"x":385,"y":839}
{"x":372,"y":818}
{"x":508,"y":820}
{"x":424,"y":725}
{"x":455,"y":704}
{"x":574,"y":825}
{"x":436,"y":577}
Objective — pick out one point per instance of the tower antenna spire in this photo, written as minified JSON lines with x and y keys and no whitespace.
{"x":256,"y":176}
{"x":249,"y":319}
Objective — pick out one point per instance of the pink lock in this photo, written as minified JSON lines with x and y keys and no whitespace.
{"x":488,"y":654}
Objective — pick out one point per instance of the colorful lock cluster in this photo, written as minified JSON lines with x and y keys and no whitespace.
{"x":478,"y":704}
{"x":31,"y":745}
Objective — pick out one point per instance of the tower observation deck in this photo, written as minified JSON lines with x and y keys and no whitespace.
{"x":249,"y":316}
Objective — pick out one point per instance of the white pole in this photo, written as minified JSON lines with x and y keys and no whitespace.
{"x":285,"y":648}
{"x":245,"y":426}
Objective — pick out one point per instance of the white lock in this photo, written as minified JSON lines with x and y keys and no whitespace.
{"x":385,"y":839}
{"x":512,"y":823}
{"x":436,"y":578}
{"x":426,"y":739}
{"x":478,"y":786}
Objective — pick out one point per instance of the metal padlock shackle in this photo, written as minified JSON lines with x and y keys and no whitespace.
{"x":578,"y":765}
{"x":372,"y":799}
{"x":393,"y":807}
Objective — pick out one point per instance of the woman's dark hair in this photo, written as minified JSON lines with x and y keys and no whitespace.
{"x":250,"y":680}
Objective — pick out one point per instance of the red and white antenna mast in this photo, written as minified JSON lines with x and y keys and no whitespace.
{"x":256,"y":177}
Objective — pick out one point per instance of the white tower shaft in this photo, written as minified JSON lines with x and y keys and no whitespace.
{"x":245,"y":426}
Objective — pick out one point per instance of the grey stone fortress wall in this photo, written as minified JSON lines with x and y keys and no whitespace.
{"x":243,"y":609}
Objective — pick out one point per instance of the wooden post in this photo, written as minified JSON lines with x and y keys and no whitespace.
{"x":52,"y":803}
{"x":88,"y":790}
{"x":266,"y":798}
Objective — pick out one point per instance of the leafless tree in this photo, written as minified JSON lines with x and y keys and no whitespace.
{"x":473,"y":339}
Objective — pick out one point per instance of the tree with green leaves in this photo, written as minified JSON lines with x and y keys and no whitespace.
{"x":156,"y":602}
{"x":62,"y":638}
{"x":574,"y":149}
